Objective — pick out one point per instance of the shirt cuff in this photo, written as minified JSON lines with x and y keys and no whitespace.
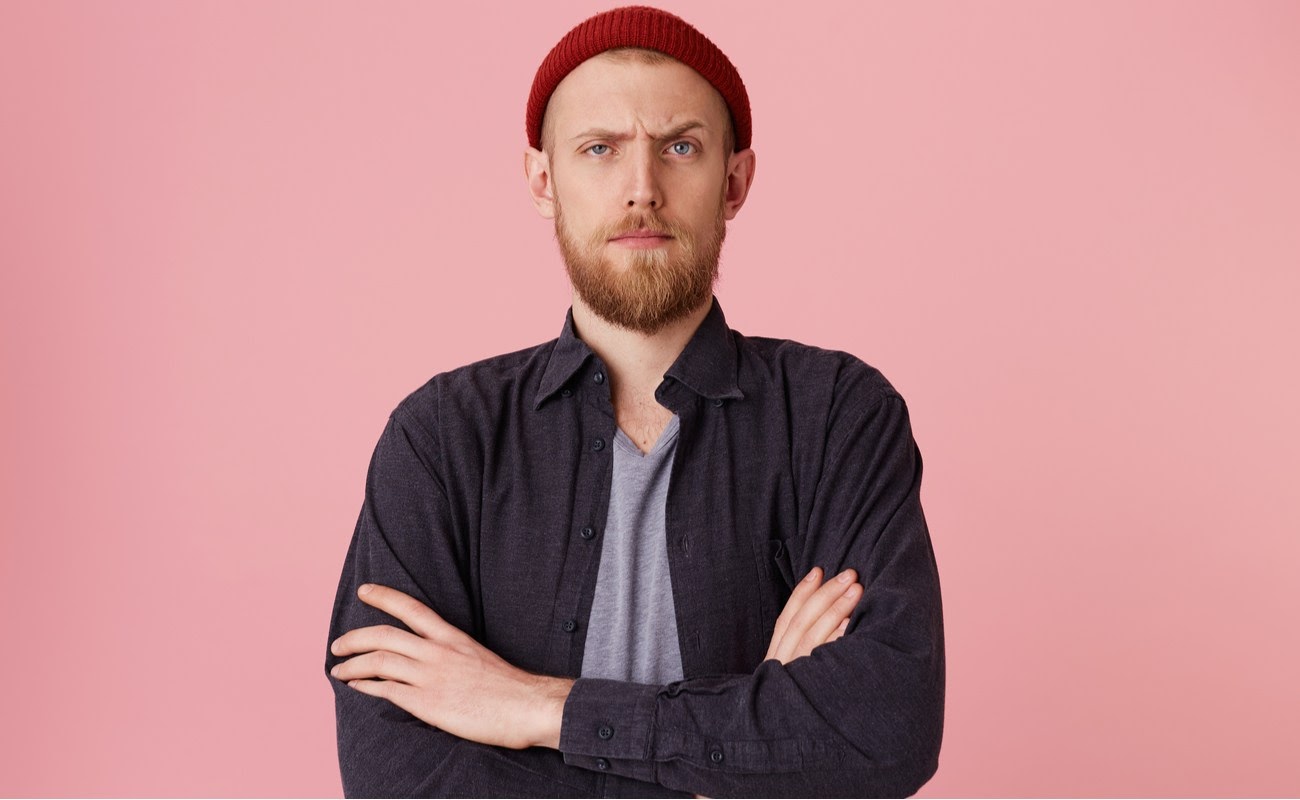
{"x":608,"y":726}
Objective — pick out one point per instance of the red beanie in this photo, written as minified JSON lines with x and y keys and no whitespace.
{"x":639,"y":26}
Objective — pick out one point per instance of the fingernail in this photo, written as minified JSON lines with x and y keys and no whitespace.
{"x":334,"y":670}
{"x":365,"y":588}
{"x":812,"y":575}
{"x":844,"y":576}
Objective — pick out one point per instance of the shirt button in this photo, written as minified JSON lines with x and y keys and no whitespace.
{"x":599,"y":377}
{"x":605,"y":732}
{"x":602,"y":764}
{"x":570,"y":626}
{"x":716,"y":756}
{"x":597,"y":444}
{"x":586,"y":533}
{"x":566,"y":392}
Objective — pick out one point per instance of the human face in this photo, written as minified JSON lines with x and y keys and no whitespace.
{"x":638,"y":184}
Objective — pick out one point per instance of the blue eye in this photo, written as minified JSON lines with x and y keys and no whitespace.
{"x":592,"y":149}
{"x":690,"y":147}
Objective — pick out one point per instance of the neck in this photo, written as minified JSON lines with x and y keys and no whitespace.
{"x":636,"y":361}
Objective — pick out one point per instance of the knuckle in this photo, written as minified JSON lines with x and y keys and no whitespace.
{"x":425,"y":649}
{"x":805,"y":587}
{"x":813,"y":611}
{"x":833,"y":589}
{"x":797,"y":624}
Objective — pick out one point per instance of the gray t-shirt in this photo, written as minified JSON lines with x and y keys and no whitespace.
{"x":632,"y":635}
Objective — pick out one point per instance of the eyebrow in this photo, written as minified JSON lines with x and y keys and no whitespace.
{"x":605,"y":133}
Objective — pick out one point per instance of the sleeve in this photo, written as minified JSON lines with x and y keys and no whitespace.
{"x":859,"y":717}
{"x":404,"y":538}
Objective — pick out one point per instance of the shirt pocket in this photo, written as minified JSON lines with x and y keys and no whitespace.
{"x":778,"y":556}
{"x":776,"y":579}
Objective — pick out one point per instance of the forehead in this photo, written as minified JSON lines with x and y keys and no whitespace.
{"x":622,"y":93}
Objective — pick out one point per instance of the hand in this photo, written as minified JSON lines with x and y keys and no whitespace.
{"x":443,"y":676}
{"x":815,"y":614}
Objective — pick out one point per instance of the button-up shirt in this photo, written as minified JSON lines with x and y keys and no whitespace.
{"x":485,"y":499}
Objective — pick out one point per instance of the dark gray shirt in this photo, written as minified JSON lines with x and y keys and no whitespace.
{"x":486,"y":499}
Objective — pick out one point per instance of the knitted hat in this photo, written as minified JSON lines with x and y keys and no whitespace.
{"x":639,"y":26}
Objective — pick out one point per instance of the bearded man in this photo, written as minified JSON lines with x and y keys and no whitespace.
{"x":653,"y":556}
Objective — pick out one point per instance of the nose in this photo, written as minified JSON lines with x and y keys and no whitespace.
{"x":644,"y":191}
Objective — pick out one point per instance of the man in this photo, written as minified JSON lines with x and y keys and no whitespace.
{"x":579,"y":568}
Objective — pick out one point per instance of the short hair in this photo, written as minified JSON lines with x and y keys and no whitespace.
{"x":644,"y":55}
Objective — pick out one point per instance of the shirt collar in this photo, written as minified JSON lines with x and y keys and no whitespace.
{"x":707,"y":365}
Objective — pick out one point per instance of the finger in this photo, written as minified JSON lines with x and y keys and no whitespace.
{"x":379,"y":664}
{"x":417,"y":616}
{"x":380,"y":637}
{"x":840,"y":631}
{"x":801,"y":593}
{"x":399,"y":694}
{"x":821,"y":629}
{"x":812,"y":609}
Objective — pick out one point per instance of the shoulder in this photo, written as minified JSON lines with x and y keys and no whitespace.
{"x":477,"y":389}
{"x":800,"y":371}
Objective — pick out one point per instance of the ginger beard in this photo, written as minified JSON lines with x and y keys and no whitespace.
{"x":654,"y":287}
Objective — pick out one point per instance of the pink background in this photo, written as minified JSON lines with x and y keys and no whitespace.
{"x":235,"y":235}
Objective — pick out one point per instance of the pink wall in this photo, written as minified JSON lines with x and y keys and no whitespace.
{"x":234,"y":235}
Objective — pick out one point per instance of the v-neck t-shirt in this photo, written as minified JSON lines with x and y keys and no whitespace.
{"x":632,"y":635}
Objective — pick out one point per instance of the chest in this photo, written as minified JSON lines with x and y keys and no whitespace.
{"x":537,"y":526}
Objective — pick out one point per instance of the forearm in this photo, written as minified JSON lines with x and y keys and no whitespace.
{"x":403,"y":540}
{"x":782,"y":731}
{"x":385,"y":752}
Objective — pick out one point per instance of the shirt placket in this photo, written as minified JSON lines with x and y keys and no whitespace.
{"x":589,"y":393}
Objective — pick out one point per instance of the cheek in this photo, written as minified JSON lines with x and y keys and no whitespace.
{"x":702,"y":198}
{"x":587,"y":201}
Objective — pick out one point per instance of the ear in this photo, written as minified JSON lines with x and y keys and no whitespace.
{"x":537,"y":170}
{"x":740,"y":174}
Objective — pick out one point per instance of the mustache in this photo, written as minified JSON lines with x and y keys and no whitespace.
{"x":643,"y":221}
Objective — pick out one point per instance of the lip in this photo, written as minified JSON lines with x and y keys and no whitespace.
{"x":642,"y":233}
{"x":642,"y":240}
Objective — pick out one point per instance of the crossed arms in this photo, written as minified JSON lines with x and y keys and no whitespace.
{"x":445,"y":677}
{"x":434,"y":708}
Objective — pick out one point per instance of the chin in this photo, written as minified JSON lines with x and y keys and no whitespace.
{"x":637,"y":259}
